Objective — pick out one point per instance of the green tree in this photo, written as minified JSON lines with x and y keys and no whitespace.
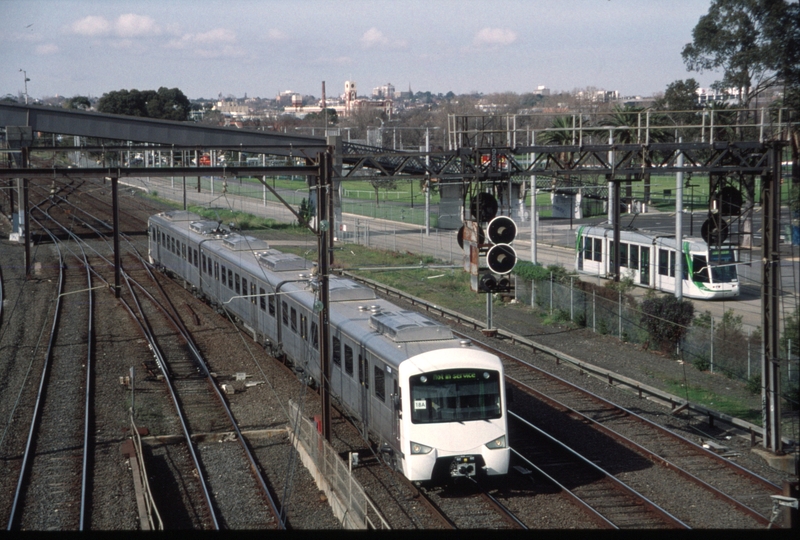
{"x":78,"y":102}
{"x":743,"y":38}
{"x":667,"y":320}
{"x":317,"y":117}
{"x":165,"y":103}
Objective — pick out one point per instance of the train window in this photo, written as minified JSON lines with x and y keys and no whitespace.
{"x":285,"y":313}
{"x":183,"y":251}
{"x":252,"y":293}
{"x":272,"y":305}
{"x":244,"y":285}
{"x":455,"y":395}
{"x":172,"y":244}
{"x":597,"y":253}
{"x":348,"y":360}
{"x":230,"y":278}
{"x":164,"y":239}
{"x":337,"y":351}
{"x":262,"y":299}
{"x":194,"y":251}
{"x":314,"y":335}
{"x":216,"y":270}
{"x":203,"y":262}
{"x":294,"y":320}
{"x":380,"y":383}
{"x":224,"y":273}
{"x":303,"y":326}
{"x":238,"y":285}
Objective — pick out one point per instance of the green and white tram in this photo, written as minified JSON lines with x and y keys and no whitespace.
{"x":649,"y":259}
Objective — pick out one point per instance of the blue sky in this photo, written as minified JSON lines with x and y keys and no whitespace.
{"x":263,"y":47}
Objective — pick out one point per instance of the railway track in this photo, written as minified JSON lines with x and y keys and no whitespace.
{"x":704,"y":476}
{"x":54,"y":474}
{"x":194,"y":394}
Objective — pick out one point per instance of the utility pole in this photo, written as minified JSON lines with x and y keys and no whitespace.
{"x":323,"y":232}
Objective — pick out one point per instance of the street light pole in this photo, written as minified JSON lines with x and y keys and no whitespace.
{"x":25,"y":77}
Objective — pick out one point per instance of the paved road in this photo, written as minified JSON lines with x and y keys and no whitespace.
{"x":555,"y":243}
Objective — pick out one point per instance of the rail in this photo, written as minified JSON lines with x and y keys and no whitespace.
{"x":643,"y":390}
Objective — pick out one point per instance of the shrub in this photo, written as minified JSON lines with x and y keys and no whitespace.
{"x":666,"y":320}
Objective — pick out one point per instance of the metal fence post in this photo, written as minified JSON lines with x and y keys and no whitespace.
{"x":594,"y":311}
{"x":571,"y":304}
{"x":748,"y":355}
{"x":712,"y":344}
{"x":551,"y":293}
{"x":619,"y":318}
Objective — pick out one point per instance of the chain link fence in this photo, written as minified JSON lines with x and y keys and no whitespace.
{"x":724,"y":346}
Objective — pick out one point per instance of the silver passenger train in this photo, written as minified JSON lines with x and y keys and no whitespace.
{"x":434,"y":405}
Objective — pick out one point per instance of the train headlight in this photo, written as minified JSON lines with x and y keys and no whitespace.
{"x":499,"y":442}
{"x":417,"y":448}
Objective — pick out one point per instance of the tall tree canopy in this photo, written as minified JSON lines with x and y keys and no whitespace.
{"x":165,"y":104}
{"x":746,"y":39}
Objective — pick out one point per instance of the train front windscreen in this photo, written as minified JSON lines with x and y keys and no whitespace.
{"x":455,"y":395}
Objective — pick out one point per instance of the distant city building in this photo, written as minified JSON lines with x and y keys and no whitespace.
{"x":542,"y":90}
{"x":709,"y":95}
{"x":383,"y":92}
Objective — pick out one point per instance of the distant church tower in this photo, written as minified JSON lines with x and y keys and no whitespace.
{"x":349,"y":97}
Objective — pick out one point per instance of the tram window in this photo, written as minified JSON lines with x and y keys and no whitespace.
{"x":294,"y":320}
{"x":587,"y":249}
{"x":663,"y":262}
{"x":634,"y":256}
{"x":597,"y":253}
{"x":725,"y":273}
{"x":380,"y":383}
{"x":337,"y":351}
{"x":348,"y":360}
{"x":699,"y":269}
{"x":285,"y":313}
{"x":644,"y":273}
{"x":272,"y":305}
{"x":314,"y":335}
{"x":262,"y":299}
{"x":623,"y":254}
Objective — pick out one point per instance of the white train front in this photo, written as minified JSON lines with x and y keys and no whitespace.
{"x":434,"y":405}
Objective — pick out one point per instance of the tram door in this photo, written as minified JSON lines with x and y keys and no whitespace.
{"x":644,"y":269}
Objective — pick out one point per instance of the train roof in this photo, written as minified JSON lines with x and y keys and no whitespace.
{"x":389,"y":331}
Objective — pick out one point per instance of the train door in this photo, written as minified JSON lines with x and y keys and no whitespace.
{"x":397,"y":409}
{"x":363,"y":380}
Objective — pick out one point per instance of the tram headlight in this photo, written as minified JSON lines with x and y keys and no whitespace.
{"x":499,"y":442}
{"x":417,"y":448}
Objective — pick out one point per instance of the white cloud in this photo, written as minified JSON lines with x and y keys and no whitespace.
{"x":46,"y":48}
{"x":494,"y":37}
{"x":91,"y":26}
{"x":132,"y":25}
{"x":276,"y":35}
{"x":375,"y":38}
{"x":217,"y":36}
